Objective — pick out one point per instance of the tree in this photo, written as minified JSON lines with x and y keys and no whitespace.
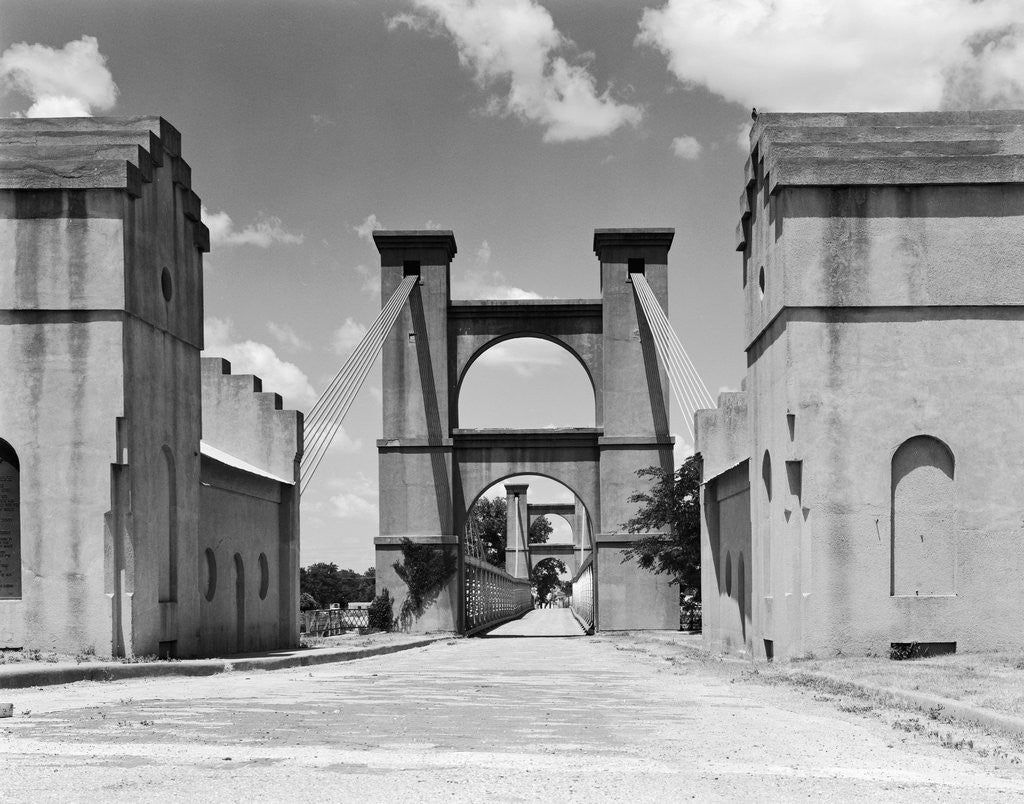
{"x":324,"y":583}
{"x":540,"y":530}
{"x":488,"y":520}
{"x":545,"y":576}
{"x":672,"y":502}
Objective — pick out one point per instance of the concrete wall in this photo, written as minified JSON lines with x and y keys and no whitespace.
{"x":884,"y":380}
{"x":249,"y":514}
{"x":241,"y":527}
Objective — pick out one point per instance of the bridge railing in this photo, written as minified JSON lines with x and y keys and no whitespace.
{"x":492,"y":595}
{"x":332,"y":622}
{"x":583,"y":595}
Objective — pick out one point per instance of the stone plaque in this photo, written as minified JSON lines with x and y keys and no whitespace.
{"x":10,"y":531}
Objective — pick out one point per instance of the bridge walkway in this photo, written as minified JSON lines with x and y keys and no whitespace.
{"x":540,"y":623}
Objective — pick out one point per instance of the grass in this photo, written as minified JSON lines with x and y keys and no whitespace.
{"x":992,"y":680}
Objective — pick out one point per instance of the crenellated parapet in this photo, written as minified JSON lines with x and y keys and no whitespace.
{"x":243,"y":421}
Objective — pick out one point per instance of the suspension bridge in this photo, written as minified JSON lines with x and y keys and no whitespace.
{"x":432,"y":470}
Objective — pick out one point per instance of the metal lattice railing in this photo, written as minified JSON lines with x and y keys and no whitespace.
{"x":332,"y":622}
{"x":583,"y":595}
{"x":492,"y":595}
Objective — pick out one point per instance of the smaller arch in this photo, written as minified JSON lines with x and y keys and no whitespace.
{"x":264,"y":576}
{"x":728,"y":573}
{"x":766,"y":474}
{"x":511,"y":336}
{"x":211,"y":574}
{"x":239,"y":603}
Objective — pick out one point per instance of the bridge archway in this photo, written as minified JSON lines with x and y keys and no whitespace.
{"x":431,"y":469}
{"x":525,"y":380}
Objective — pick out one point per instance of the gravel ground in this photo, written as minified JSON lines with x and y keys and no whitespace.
{"x":578,"y":719}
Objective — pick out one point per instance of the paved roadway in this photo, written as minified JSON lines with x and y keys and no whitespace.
{"x":582,"y":719}
{"x":539,"y":623}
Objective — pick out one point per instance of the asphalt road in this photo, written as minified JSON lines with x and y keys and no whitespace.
{"x":525,"y":719}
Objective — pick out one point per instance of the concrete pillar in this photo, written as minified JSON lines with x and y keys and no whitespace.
{"x":517,"y":554}
{"x":415,"y":453}
{"x":636,"y":425}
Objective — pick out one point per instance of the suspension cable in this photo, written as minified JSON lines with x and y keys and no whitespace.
{"x":687,"y":387}
{"x":327,"y":414}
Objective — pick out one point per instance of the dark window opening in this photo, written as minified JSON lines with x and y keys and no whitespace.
{"x":636,"y":265}
{"x":411,"y":268}
{"x":919,"y":650}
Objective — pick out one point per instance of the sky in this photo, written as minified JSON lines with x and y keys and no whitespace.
{"x":520,"y":125}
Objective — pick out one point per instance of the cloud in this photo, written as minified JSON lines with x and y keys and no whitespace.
{"x":370,"y":279}
{"x":287,"y":336}
{"x":366,"y":229}
{"x":69,"y":82}
{"x":681,"y":450}
{"x":251,"y":357}
{"x":413,"y":22}
{"x":512,"y":48}
{"x":480,"y":281}
{"x":524,"y":356}
{"x":686,"y":148}
{"x":356,"y":498}
{"x":857,"y":55}
{"x":743,"y":136}
{"x":347,"y":337}
{"x":267,"y":231}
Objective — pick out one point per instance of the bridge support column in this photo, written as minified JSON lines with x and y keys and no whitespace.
{"x":636,"y":427}
{"x":517,"y":554}
{"x":415,"y":453}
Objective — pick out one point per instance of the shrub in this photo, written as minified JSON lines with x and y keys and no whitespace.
{"x":381,"y":613}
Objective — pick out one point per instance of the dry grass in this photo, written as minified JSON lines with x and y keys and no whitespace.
{"x":990,"y":680}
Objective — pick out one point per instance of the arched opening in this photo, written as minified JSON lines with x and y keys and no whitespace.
{"x":526,"y":383}
{"x":10,"y":523}
{"x":534,"y":533}
{"x":167,"y":526}
{"x":924,"y":528}
{"x":239,"y":604}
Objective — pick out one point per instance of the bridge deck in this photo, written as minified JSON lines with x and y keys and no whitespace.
{"x":540,"y":622}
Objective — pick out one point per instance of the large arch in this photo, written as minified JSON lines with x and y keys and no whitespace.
{"x":569,"y":383}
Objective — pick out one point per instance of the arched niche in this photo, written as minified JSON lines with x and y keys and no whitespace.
{"x":923,"y":527}
{"x":10,"y":523}
{"x":525,"y":381}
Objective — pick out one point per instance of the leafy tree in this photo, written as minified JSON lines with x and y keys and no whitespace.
{"x":307,"y":601}
{"x":545,"y":576}
{"x":540,"y":530}
{"x":324,"y":583}
{"x":488,"y":519}
{"x":673,"y":501}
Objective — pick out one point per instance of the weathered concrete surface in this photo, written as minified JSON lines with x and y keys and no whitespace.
{"x":540,"y":623}
{"x":884,"y":305}
{"x":583,"y":719}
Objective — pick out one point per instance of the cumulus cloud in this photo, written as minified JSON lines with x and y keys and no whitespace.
{"x":513,"y":47}
{"x":66,"y":82}
{"x":857,"y":55}
{"x":366,"y":229}
{"x":356,"y":498}
{"x":287,"y":336}
{"x":347,"y":337}
{"x":265,"y":232}
{"x":251,"y":357}
{"x":370,"y":279}
{"x":681,"y":450}
{"x":481,"y":281}
{"x":524,"y":356}
{"x":687,"y":148}
{"x":414,"y":22}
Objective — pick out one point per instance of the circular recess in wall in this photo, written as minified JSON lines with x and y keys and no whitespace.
{"x":211,"y":574}
{"x":264,"y":576}
{"x":165,"y":284}
{"x":760,"y":281}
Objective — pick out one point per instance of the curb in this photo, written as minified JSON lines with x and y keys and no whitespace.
{"x":945,"y":709}
{"x":936,"y":707}
{"x":17,"y":678}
